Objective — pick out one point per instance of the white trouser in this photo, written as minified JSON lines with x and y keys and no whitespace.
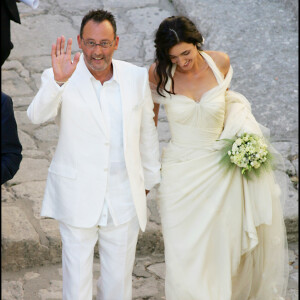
{"x":117,"y":245}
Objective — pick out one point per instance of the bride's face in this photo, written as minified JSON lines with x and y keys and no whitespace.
{"x":184,"y":55}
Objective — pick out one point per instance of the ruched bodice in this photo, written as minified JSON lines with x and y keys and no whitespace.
{"x":197,"y":123}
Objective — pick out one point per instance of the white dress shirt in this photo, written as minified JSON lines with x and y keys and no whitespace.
{"x":118,"y":205}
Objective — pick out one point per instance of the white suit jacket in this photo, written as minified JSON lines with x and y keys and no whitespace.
{"x":77,"y":177}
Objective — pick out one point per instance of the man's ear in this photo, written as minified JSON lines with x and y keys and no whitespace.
{"x":79,"y":41}
{"x":116,"y":43}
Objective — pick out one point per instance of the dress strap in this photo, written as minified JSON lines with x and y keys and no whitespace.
{"x":219,"y":76}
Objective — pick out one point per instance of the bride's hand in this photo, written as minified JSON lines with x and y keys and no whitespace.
{"x":62,"y":65}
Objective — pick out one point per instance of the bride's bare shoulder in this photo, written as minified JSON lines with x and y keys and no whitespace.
{"x":221,"y":59}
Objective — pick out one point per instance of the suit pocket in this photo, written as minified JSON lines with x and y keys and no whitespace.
{"x":63,"y":170}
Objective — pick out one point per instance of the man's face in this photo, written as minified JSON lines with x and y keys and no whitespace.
{"x":97,"y":58}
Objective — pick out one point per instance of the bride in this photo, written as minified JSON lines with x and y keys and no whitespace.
{"x":224,"y":235}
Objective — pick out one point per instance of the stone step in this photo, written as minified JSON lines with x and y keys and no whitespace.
{"x":28,"y":240}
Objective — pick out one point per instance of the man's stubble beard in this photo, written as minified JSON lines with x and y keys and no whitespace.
{"x":105,"y":63}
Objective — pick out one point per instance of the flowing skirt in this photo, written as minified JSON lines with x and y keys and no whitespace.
{"x":224,"y":236}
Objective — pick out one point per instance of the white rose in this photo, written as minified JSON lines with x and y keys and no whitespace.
{"x":238,"y":141}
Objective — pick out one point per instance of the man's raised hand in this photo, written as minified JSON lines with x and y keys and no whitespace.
{"x":62,"y":65}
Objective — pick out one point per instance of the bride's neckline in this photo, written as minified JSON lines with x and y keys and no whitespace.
{"x":209,"y":65}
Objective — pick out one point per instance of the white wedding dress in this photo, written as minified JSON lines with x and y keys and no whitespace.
{"x":224,"y":236}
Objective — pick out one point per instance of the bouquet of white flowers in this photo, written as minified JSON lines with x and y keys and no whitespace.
{"x":249,"y":152}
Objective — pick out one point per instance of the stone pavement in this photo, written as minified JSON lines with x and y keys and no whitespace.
{"x":45,"y":283}
{"x":261,"y":38}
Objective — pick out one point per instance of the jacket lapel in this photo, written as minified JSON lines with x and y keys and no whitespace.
{"x":82,"y":81}
{"x":125,"y":88}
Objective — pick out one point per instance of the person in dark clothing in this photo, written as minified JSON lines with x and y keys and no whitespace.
{"x":9,"y":11}
{"x":11,"y":147}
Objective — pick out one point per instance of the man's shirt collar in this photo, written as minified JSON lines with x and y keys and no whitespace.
{"x":90,"y":75}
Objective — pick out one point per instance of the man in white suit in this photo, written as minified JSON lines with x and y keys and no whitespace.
{"x":106,"y":157}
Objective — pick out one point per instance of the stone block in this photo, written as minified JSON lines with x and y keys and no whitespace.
{"x":293,"y":5}
{"x":128,"y":3}
{"x":48,"y":133}
{"x":37,"y":80}
{"x":6,"y":75}
{"x":150,"y":241}
{"x":76,"y":20}
{"x":16,"y":227}
{"x":50,"y":228}
{"x":38,"y":64}
{"x":295,"y":163}
{"x":290,"y":168}
{"x":33,"y":191}
{"x":12,"y":65}
{"x":152,"y":205}
{"x":122,"y":26}
{"x":146,"y":20}
{"x":149,"y":51}
{"x":53,"y":292}
{"x":26,"y":10}
{"x":30,"y":276}
{"x":292,"y":257}
{"x":292,"y":294}
{"x":139,"y":270}
{"x":31,"y":170}
{"x":144,"y":287}
{"x":31,"y":29}
{"x":284,"y":148}
{"x":158,"y":269}
{"x":33,"y":154}
{"x":293,"y":281}
{"x":16,"y":86}
{"x":20,"y":241}
{"x":13,"y":69}
{"x":152,"y":226}
{"x":51,"y":151}
{"x":22,"y":101}
{"x":82,"y":6}
{"x":22,"y":119}
{"x":294,"y":149}
{"x":6,"y":195}
{"x":12,"y":290}
{"x":17,"y":70}
{"x":132,"y":42}
{"x":26,"y":141}
{"x":290,"y":208}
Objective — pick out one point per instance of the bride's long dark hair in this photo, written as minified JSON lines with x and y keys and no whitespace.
{"x":170,"y":32}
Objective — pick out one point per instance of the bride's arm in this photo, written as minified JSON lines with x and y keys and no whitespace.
{"x":156,"y":111}
{"x":153,"y":84}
